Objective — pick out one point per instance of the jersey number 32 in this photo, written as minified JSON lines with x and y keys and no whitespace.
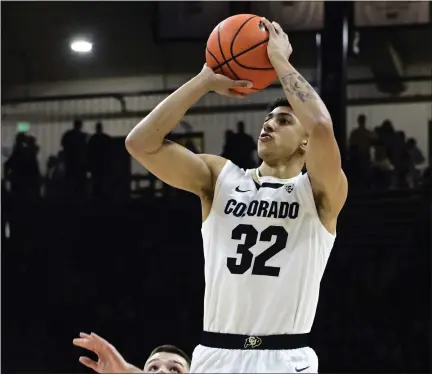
{"x":247,"y":258}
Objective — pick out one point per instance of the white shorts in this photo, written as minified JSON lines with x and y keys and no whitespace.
{"x":216,"y":360}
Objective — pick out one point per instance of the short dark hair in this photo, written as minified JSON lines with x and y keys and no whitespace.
{"x":282,"y":101}
{"x":167,"y":348}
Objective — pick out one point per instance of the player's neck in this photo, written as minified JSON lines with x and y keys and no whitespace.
{"x":283,"y":171}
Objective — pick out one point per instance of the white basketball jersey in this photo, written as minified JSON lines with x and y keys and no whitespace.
{"x":265,"y":253}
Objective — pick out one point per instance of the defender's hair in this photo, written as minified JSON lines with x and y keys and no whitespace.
{"x":282,"y":101}
{"x":167,"y":348}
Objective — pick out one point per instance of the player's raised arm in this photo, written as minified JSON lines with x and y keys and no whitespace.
{"x":323,"y":160}
{"x":170,"y":162}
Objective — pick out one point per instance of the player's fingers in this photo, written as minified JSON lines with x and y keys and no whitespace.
{"x":84,"y":335}
{"x":101,"y":343}
{"x":84,"y":343}
{"x":278,"y":28}
{"x":247,"y":84}
{"x":268,"y":25}
{"x":99,"y":339}
{"x":89,"y":363}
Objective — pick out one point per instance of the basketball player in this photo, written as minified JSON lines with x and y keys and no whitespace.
{"x":268,"y":232}
{"x":163,"y":359}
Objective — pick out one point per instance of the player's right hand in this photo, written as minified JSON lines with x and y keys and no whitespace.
{"x":221,"y":84}
{"x":109,"y":359}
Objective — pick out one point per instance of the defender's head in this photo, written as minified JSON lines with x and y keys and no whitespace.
{"x":282,"y":136}
{"x":167,"y":359}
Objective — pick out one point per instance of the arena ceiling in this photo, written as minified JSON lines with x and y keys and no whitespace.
{"x":35,"y":39}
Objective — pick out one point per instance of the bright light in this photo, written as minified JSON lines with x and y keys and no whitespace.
{"x":81,"y":46}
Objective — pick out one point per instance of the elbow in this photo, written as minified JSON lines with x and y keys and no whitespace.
{"x":139,"y":141}
{"x":136,"y":140}
{"x":133,"y":138}
{"x":130,"y":143}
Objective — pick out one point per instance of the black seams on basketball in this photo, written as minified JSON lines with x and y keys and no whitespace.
{"x":238,"y":45}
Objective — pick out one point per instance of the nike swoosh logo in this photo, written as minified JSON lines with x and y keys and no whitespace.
{"x":302,"y":369}
{"x":239,"y":190}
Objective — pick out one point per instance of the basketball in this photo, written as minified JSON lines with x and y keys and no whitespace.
{"x":237,"y":48}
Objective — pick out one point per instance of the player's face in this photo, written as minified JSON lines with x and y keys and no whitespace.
{"x":164,"y":362}
{"x":281,"y":136}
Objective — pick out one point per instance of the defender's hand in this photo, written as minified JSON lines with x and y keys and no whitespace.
{"x":109,"y":359}
{"x":278,"y":45}
{"x":221,"y":84}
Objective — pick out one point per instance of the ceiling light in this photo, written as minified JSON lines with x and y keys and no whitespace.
{"x":81,"y":46}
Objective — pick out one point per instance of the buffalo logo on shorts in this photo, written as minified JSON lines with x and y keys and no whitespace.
{"x":253,"y":342}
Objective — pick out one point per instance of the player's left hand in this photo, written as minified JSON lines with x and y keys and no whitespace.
{"x":278,"y":45}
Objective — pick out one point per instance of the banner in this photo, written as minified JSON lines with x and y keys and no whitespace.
{"x":391,"y":13}
{"x":292,"y":15}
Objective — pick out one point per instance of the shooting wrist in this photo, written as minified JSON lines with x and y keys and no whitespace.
{"x":205,"y":81}
{"x":279,"y":59}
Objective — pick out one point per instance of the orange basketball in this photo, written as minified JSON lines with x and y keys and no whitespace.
{"x":237,"y":48}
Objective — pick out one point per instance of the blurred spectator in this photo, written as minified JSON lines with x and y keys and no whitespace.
{"x":401,"y":159}
{"x":416,"y":159}
{"x":22,"y":168}
{"x":361,"y":139}
{"x":228,"y":148}
{"x":360,"y":143}
{"x":245,"y":148}
{"x":100,"y":149}
{"x":74,"y":143}
{"x":5,"y":154}
{"x":386,"y":136}
{"x":414,"y":152}
{"x":382,"y":169}
{"x":240,"y":147}
{"x":55,"y":176}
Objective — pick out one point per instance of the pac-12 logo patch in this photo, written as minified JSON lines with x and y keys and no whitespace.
{"x":289,"y":188}
{"x":253,"y":342}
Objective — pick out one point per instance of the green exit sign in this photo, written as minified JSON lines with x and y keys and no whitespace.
{"x":23,"y":126}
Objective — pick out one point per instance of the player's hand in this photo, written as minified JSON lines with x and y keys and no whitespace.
{"x":278,"y":45}
{"x":109,"y":359}
{"x":223,"y":85}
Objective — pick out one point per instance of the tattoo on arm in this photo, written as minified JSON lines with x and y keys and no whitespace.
{"x":296,"y":85}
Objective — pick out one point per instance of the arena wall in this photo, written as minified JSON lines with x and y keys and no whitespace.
{"x":50,"y":119}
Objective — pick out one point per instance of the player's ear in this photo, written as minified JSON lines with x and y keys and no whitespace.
{"x":303,"y":145}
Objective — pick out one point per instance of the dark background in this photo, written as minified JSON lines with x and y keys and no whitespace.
{"x":35,"y":35}
{"x":129,"y":266}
